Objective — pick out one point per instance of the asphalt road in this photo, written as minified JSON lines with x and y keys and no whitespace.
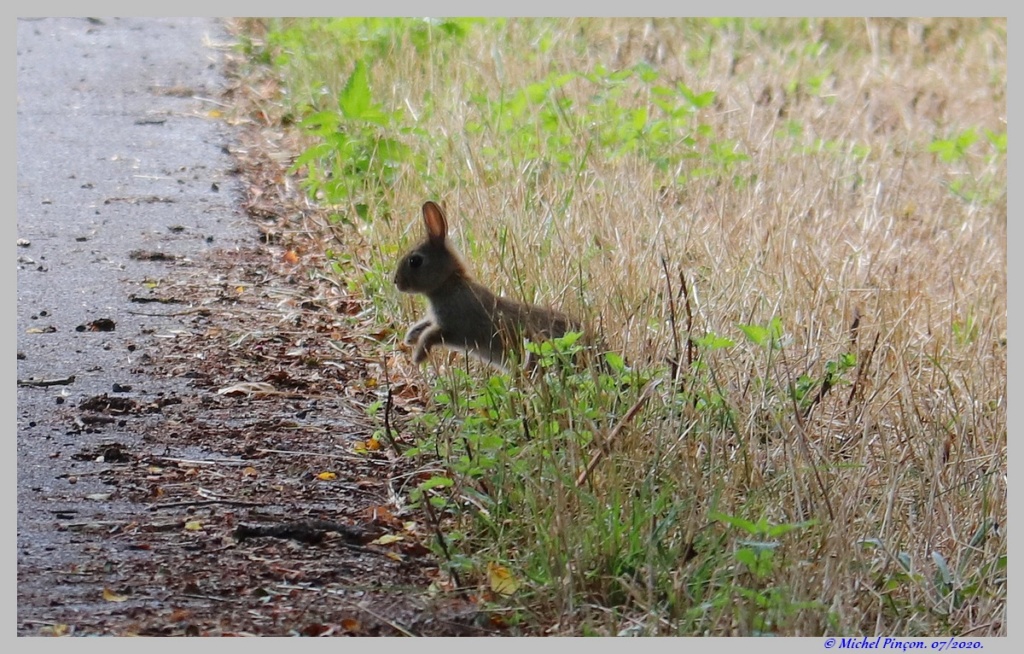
{"x":120,"y":154}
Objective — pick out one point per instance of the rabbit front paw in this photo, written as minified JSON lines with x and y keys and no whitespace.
{"x":420,"y":355}
{"x":429,"y":337}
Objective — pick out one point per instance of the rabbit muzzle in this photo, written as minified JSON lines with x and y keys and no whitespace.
{"x":398,"y":281}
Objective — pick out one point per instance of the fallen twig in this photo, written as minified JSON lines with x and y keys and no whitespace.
{"x":62,"y":381}
{"x":388,"y":406}
{"x":172,"y":505}
{"x":351,"y":457}
{"x":211,"y":598}
{"x":205,"y":462}
{"x":91,"y":525}
{"x":146,"y":300}
{"x":200,"y":310}
{"x":614,"y":433}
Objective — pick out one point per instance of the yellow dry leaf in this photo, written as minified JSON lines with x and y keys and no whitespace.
{"x":327,"y":476}
{"x":193,"y":525}
{"x":214,"y":113}
{"x":111,"y":596}
{"x":369,"y":445}
{"x":387,"y":539}
{"x":249,"y":471}
{"x":501,"y":580}
{"x":57,"y":629}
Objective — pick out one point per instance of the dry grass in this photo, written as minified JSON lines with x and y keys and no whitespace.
{"x":842,"y":222}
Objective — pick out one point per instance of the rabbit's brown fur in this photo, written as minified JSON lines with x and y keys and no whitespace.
{"x":465,"y":315}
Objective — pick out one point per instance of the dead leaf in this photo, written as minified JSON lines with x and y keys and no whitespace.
{"x":316,"y":629}
{"x":250,"y":389}
{"x":387,"y":539}
{"x":111,"y":596}
{"x":193,"y":525}
{"x":501,"y":580}
{"x":57,"y":629}
{"x":351,"y":624}
{"x":178,"y":615}
{"x":382,"y":515}
{"x":327,"y":476}
{"x":369,"y":445}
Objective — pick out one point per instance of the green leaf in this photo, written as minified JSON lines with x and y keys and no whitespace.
{"x":321,"y":122}
{"x":770,"y":335}
{"x":733,"y":521}
{"x":616,"y":362}
{"x":755,"y":333}
{"x":998,"y":140}
{"x":568,"y":340}
{"x":940,"y":563}
{"x":355,"y":100}
{"x":392,"y":151}
{"x":436,"y":482}
{"x":698,"y":100}
{"x":747,"y":557}
{"x":639,"y":119}
{"x":778,"y":530}
{"x":712,"y":342}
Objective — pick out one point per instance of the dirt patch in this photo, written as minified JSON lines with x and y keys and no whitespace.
{"x":251,"y":502}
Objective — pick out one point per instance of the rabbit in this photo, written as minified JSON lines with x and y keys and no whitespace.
{"x":464,"y":315}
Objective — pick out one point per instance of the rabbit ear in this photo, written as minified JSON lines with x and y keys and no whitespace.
{"x":437,"y":226}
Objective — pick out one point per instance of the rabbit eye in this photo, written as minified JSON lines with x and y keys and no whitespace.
{"x":415,"y":260}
